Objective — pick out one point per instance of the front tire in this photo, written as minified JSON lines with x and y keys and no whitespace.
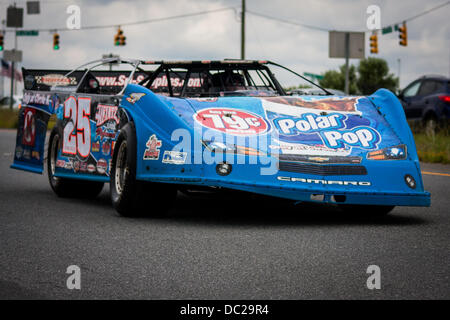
{"x":131,"y":197}
{"x":67,"y":188}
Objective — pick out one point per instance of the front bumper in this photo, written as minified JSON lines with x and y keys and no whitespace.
{"x":417,"y":199}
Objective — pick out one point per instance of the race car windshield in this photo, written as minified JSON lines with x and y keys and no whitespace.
{"x":227,"y":77}
{"x":214,"y":82}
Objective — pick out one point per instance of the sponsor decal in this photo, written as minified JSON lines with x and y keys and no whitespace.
{"x":19,"y":152}
{"x":325,"y":182}
{"x":37,"y":98}
{"x":76,"y":166}
{"x":56,"y":80}
{"x":213,"y":99}
{"x":232,"y":121}
{"x":91,"y":168}
{"x":174,"y":157}
{"x":96,"y":146}
{"x":55,"y":103}
{"x":152,"y":151}
{"x":176,"y":82}
{"x":83,"y":166}
{"x":319,"y":159}
{"x":29,"y":81}
{"x":29,"y":127}
{"x":330,"y":104}
{"x":297,"y":122}
{"x":106,"y":113}
{"x":106,"y":148}
{"x":60,"y":163}
{"x":26,"y":154}
{"x":363,"y":137}
{"x":117,"y":81}
{"x":306,"y":149}
{"x":327,"y":128}
{"x":68,"y":165}
{"x":36,"y":155}
{"x":135,"y":97}
{"x":102,"y":165}
{"x":105,"y":132}
{"x":308,"y":123}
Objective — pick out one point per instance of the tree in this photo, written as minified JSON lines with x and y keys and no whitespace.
{"x":333,"y":79}
{"x":300,"y":86}
{"x":374,"y":74}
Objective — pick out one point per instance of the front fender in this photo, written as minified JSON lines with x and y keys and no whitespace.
{"x":152,"y":115}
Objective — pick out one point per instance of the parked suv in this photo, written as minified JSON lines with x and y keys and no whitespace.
{"x":427,"y":99}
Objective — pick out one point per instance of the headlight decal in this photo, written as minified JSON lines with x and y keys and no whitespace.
{"x":398,"y":152}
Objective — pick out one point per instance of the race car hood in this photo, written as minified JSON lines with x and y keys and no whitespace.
{"x":309,"y":125}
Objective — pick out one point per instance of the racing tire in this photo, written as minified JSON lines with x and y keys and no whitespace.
{"x":63,"y":187}
{"x":366,"y":210}
{"x":131,"y":197}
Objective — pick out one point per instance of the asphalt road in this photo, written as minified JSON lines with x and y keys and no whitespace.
{"x":215,"y":248}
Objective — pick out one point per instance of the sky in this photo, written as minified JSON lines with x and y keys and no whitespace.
{"x":217,"y":35}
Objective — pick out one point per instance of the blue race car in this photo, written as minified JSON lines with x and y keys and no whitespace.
{"x":164,"y":126}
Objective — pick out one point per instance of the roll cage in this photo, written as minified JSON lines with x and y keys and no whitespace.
{"x":215,"y":77}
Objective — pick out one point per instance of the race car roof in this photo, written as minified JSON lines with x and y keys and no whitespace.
{"x":205,"y":62}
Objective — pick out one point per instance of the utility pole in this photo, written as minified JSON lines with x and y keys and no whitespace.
{"x":243,"y":30}
{"x":399,"y":64}
{"x":347,"y":55}
{"x":13,"y":71}
{"x":2,"y":86}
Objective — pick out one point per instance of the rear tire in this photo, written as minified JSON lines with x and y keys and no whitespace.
{"x":366,"y":210}
{"x":68,"y":188}
{"x":131,"y":197}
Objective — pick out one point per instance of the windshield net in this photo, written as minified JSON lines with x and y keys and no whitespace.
{"x":213,"y":82}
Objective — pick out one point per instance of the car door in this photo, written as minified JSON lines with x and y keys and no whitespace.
{"x":411,"y":100}
{"x":426,"y":92}
{"x":89,"y":125}
{"x":431,"y":92}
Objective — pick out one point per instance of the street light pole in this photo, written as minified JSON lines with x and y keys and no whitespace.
{"x":243,"y":30}
{"x":347,"y":55}
{"x":13,"y":69}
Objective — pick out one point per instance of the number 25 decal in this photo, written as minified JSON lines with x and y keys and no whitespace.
{"x":77,"y":132}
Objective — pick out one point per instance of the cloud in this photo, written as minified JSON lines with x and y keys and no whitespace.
{"x":217,"y":35}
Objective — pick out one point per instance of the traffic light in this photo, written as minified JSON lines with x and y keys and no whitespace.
{"x":122,"y":40}
{"x":1,"y":41}
{"x":119,"y":38}
{"x":374,"y":43}
{"x":55,"y":41}
{"x":403,"y":35}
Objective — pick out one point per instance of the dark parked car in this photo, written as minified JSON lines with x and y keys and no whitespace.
{"x":427,"y":99}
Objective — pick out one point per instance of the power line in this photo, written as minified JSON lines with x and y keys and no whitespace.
{"x":287,"y":21}
{"x":326,"y":30}
{"x":422,"y":13}
{"x":186,"y":15}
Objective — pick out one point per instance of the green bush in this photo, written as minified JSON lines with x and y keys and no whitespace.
{"x":9,"y":119}
{"x":433,"y":146}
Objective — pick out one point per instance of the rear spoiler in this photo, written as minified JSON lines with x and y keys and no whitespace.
{"x":110,"y":81}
